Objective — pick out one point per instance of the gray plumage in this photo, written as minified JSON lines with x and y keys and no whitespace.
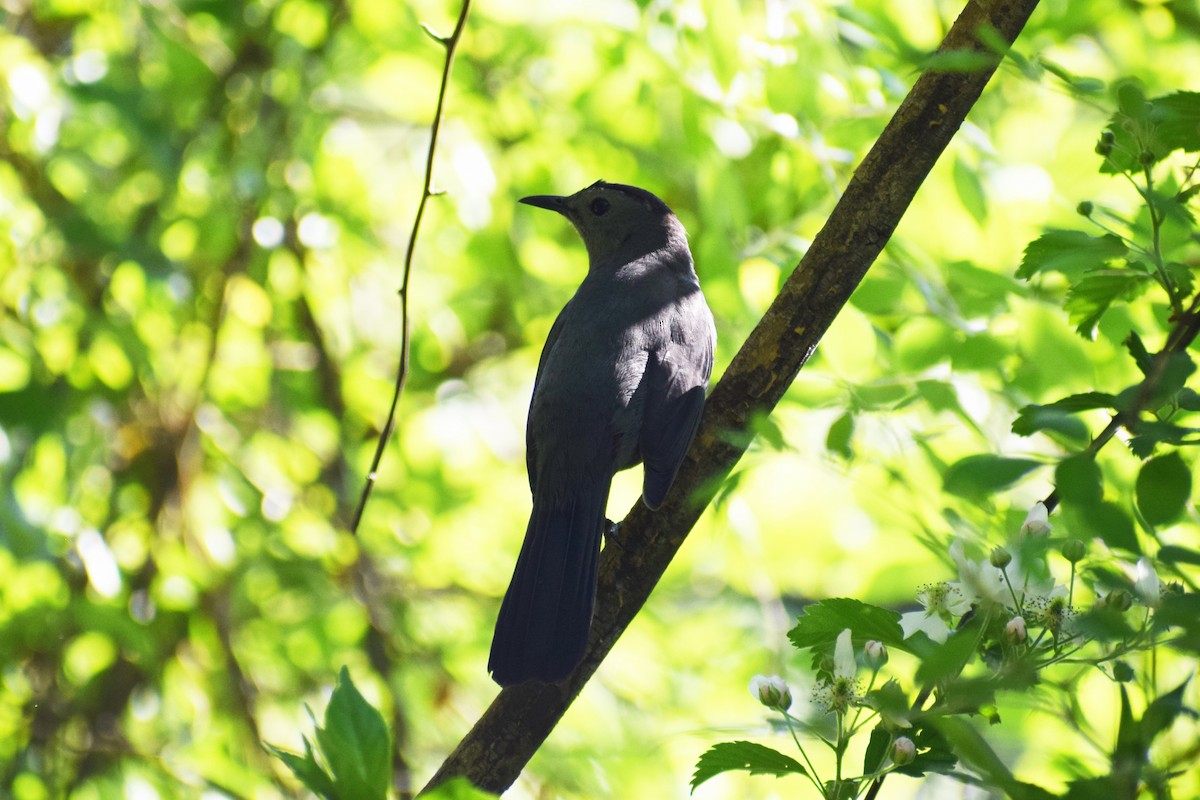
{"x":621,"y":381}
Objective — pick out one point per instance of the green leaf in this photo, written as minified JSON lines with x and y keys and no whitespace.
{"x":456,"y":789}
{"x":1157,"y":126}
{"x":1177,"y":554}
{"x":1180,"y":613}
{"x":1137,"y":348}
{"x":1034,"y":418}
{"x":951,"y":656}
{"x":1161,"y":713}
{"x":1078,"y":480}
{"x":1088,"y":299}
{"x":974,"y":750}
{"x":821,"y":623}
{"x":1085,"y":401}
{"x":1091,"y":788}
{"x":1128,"y":754}
{"x":1152,"y":433}
{"x":754,"y":758}
{"x":933,"y":754}
{"x":1164,"y":485}
{"x":980,"y":475}
{"x":970,"y":190}
{"x":1069,"y":252}
{"x":1110,"y":522}
{"x":307,"y":770}
{"x":1103,"y":625}
{"x":892,"y":704}
{"x":1169,"y":379}
{"x":837,"y":440}
{"x":959,"y":61}
{"x":877,"y":749}
{"x":355,"y":743}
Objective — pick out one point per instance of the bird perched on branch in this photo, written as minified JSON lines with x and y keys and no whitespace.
{"x":621,"y":381}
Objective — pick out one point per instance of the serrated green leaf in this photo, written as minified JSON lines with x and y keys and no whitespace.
{"x":1078,"y":480}
{"x":749,"y":756}
{"x":1084,"y":402}
{"x":1158,"y":126}
{"x":934,"y":753}
{"x":1091,"y":296}
{"x":1151,"y":433}
{"x":1034,"y":418}
{"x":1163,"y":487}
{"x":977,"y":476}
{"x":355,"y":743}
{"x":1161,"y":713}
{"x":821,"y":623}
{"x":1069,"y":252}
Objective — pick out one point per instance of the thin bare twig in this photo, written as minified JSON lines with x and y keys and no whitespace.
{"x":451,"y":44}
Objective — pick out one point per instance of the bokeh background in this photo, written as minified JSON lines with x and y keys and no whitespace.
{"x":204,"y":208}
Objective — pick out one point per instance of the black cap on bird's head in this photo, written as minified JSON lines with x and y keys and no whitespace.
{"x":614,"y":219}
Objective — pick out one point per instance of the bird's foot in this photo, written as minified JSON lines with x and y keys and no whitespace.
{"x":610,"y":532}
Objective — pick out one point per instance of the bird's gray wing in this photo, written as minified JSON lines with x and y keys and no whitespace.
{"x":530,"y":445}
{"x":674,"y":386}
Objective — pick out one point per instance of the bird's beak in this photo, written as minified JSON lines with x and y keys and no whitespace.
{"x":550,"y":201}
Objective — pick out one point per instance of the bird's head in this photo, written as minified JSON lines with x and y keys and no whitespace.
{"x":617,"y":222}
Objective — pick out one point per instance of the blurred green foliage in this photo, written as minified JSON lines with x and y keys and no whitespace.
{"x":203,"y":210}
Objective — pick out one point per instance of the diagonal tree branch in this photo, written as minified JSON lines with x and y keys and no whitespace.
{"x":493,"y":753}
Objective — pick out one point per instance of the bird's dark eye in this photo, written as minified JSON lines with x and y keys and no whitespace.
{"x":600,"y":206}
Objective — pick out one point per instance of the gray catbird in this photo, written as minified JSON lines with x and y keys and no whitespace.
{"x":621,"y":381}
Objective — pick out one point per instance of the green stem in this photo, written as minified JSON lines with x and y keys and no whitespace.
{"x":812,"y":771}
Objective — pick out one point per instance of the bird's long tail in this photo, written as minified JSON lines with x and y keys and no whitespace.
{"x":546,"y":615}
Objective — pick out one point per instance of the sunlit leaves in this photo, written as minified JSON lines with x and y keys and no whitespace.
{"x":355,"y":749}
{"x":981,"y":475}
{"x":1147,"y":130}
{"x":1070,"y":252}
{"x":1164,"y":485}
{"x":754,"y":758}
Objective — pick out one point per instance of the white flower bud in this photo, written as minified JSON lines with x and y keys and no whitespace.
{"x":903,"y":751}
{"x":772,"y":692}
{"x":1146,"y":583}
{"x":1015,"y":630}
{"x":1037,"y":521}
{"x":875,"y":653}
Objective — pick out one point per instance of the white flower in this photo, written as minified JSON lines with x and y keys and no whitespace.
{"x":1051,"y":610}
{"x":1146,"y":584}
{"x":978,"y":580}
{"x":1037,"y":521}
{"x":843,"y":656}
{"x":841,"y":692}
{"x":1015,"y":630}
{"x":932,"y":625}
{"x":943,"y":603}
{"x":772,"y":692}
